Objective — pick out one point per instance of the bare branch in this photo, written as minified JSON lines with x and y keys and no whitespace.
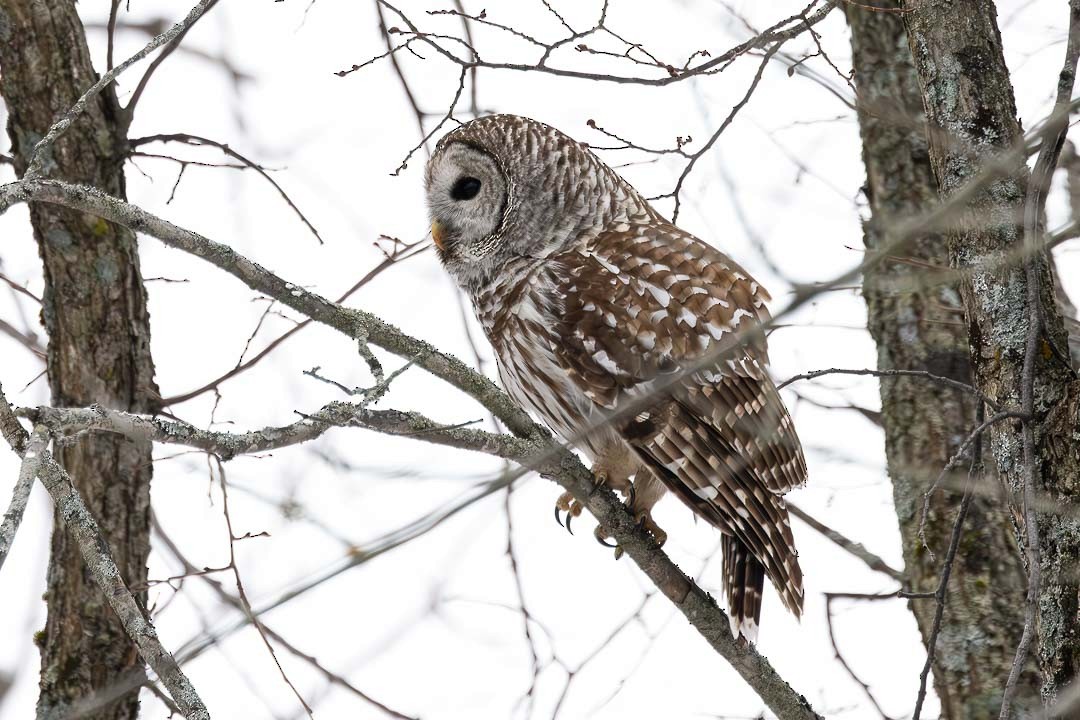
{"x":197,"y":141}
{"x":36,"y":165}
{"x":779,"y":32}
{"x":27,"y":340}
{"x":111,"y":29}
{"x":401,"y":251}
{"x":19,"y":288}
{"x":27,"y":472}
{"x":245,"y":604}
{"x":974,"y":439}
{"x":174,"y":42}
{"x":829,"y":597}
{"x":874,"y":562}
{"x":391,"y":52}
{"x":676,"y":193}
{"x":939,"y":379}
{"x":946,"y":566}
{"x":95,"y":551}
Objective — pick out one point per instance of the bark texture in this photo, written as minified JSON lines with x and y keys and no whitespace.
{"x":99,"y":350}
{"x":918,"y":323}
{"x":968,"y":99}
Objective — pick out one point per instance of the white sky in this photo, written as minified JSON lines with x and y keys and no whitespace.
{"x":425,"y":628}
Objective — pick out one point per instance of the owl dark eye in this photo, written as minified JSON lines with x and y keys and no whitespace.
{"x":466,"y":188}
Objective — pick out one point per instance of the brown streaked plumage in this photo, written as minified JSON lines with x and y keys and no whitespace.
{"x":594,"y":303}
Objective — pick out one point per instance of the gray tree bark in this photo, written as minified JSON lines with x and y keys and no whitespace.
{"x":918,"y":323}
{"x":968,"y":99}
{"x":99,"y":351}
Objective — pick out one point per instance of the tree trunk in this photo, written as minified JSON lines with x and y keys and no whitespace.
{"x":1070,"y":161}
{"x":99,"y":350}
{"x":917,"y":323}
{"x":968,"y":99}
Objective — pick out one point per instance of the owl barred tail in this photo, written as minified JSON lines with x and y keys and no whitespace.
{"x":744,"y":580}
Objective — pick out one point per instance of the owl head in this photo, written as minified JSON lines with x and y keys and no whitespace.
{"x":503,"y":187}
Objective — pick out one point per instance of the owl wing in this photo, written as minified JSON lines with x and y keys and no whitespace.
{"x":644,"y":306}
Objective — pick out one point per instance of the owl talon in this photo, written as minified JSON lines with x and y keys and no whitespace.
{"x":570,"y":506}
{"x":602,"y":535}
{"x":645,"y":521}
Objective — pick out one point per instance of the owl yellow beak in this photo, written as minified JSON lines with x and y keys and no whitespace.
{"x":438,"y":235}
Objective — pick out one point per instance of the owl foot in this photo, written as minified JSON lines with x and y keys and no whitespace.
{"x":644,"y":520}
{"x":604,"y":478}
{"x":566,"y":503}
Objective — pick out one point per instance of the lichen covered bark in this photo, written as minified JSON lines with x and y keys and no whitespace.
{"x":917,"y":322}
{"x":99,"y":335}
{"x":972,"y":126}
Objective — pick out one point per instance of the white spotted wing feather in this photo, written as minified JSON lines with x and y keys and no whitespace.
{"x":650,"y":311}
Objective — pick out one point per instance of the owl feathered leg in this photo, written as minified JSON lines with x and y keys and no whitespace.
{"x":613,"y":470}
{"x":648,"y":489}
{"x":644,"y":493}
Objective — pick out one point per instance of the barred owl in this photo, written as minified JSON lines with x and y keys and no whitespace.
{"x":594,"y":302}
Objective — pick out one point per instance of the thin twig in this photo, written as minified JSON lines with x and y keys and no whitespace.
{"x":407,"y":250}
{"x":225,"y":596}
{"x":197,"y":141}
{"x":946,"y":567}
{"x":829,"y":597}
{"x":418,"y":114}
{"x":974,"y":438}
{"x":939,"y":379}
{"x":874,"y":562}
{"x":111,"y":29}
{"x":174,"y":43}
{"x":781,"y":31}
{"x":526,"y":616}
{"x":241,"y":592}
{"x":35,"y":167}
{"x":677,"y":192}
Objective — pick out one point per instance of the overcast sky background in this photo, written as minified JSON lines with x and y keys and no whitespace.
{"x":432,"y":628}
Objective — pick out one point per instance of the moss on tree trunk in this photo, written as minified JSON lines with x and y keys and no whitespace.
{"x":918,"y":323}
{"x":971,"y":115}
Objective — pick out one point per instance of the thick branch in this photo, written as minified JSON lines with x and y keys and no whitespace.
{"x":95,"y":551}
{"x":540,"y":455}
